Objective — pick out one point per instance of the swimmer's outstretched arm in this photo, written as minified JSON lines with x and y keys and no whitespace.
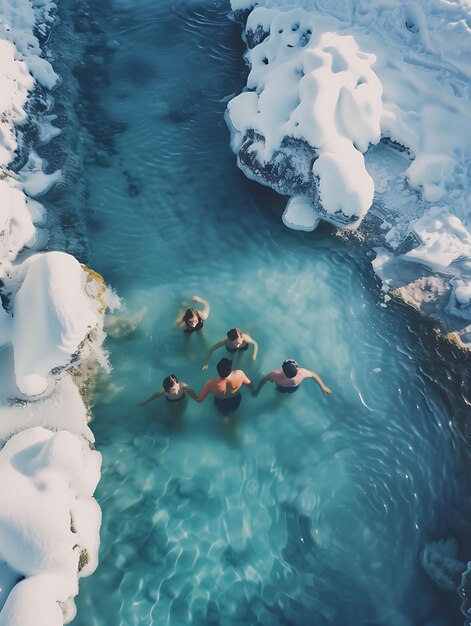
{"x":261,"y":383}
{"x":204,"y":314}
{"x":251,"y":340}
{"x":188,"y":390}
{"x":204,"y":392}
{"x":154,"y":396}
{"x":217,"y":345}
{"x":319,"y":381}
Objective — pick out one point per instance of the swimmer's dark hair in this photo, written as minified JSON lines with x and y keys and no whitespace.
{"x":169,"y":382}
{"x":234,"y":333}
{"x":189,"y":314}
{"x":290,"y":368}
{"x":224,"y":367}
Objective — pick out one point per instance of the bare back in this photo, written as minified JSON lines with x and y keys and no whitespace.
{"x":224,"y":387}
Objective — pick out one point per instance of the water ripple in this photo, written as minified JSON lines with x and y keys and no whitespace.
{"x":308,"y":509}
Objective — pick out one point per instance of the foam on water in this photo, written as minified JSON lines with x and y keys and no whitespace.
{"x":306,"y":509}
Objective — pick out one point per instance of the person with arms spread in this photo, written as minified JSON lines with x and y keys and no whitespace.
{"x":289,"y":378}
{"x":234,"y":341}
{"x":173,"y":389}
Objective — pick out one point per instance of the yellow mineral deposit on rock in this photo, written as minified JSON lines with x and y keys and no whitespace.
{"x":455,"y":339}
{"x":95,"y":287}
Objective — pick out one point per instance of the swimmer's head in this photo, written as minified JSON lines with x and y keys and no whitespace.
{"x":191,"y":318}
{"x":290,"y":368}
{"x":235,"y":337}
{"x":171,"y":384}
{"x":224,"y":367}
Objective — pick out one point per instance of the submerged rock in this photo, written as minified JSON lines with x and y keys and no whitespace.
{"x":118,"y":325}
{"x":440,"y":562}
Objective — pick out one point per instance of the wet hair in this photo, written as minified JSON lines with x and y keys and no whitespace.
{"x":169,"y":382}
{"x":290,"y":368}
{"x":189,"y":313}
{"x":234,"y":334}
{"x":224,"y":367}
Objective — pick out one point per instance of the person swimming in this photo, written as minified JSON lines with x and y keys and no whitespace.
{"x":234,"y":341}
{"x":192,"y":319}
{"x":226,"y":388}
{"x":173,"y":389}
{"x":289,"y":378}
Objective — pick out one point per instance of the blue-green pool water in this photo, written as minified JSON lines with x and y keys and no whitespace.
{"x":305,"y":509}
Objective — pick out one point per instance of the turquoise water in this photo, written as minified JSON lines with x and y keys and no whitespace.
{"x":305,"y":509}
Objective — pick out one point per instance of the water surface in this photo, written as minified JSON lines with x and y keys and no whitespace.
{"x":305,"y":509}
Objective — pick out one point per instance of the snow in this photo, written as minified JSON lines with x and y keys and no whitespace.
{"x":46,"y":130}
{"x":64,"y":317}
{"x":460,"y":301}
{"x":51,"y":318}
{"x":342,"y":76}
{"x":36,"y":181}
{"x":300,"y":215}
{"x":47,"y":482}
{"x":48,"y":469}
{"x":463,"y":292}
{"x":443,"y":238}
{"x":19,"y":20}
{"x":62,"y":409}
{"x":16,"y":221}
{"x":344,"y":184}
{"x":319,"y":87}
{"x":16,"y":83}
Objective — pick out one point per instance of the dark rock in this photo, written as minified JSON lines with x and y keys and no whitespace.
{"x":288,"y":172}
{"x":83,"y":559}
{"x":255,"y":37}
{"x":239,"y":16}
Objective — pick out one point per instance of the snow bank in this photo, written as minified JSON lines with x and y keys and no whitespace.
{"x":21,"y":19}
{"x":17,"y":219}
{"x":328,"y":82}
{"x":49,"y":523}
{"x":22,"y":69}
{"x":16,"y":83}
{"x":62,"y":409}
{"x":45,"y":494}
{"x":51,"y":317}
{"x":64,"y":316}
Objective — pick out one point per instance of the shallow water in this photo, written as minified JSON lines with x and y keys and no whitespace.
{"x":305,"y":509}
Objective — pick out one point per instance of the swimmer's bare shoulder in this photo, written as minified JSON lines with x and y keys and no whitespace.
{"x":239,"y":377}
{"x":186,"y":387}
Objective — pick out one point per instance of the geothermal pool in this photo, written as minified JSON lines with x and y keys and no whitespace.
{"x":306,"y":509}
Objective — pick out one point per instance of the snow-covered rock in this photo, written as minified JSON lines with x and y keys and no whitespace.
{"x":336,"y":87}
{"x":316,"y":86}
{"x":48,"y":518}
{"x":64,"y":315}
{"x":50,"y":316}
